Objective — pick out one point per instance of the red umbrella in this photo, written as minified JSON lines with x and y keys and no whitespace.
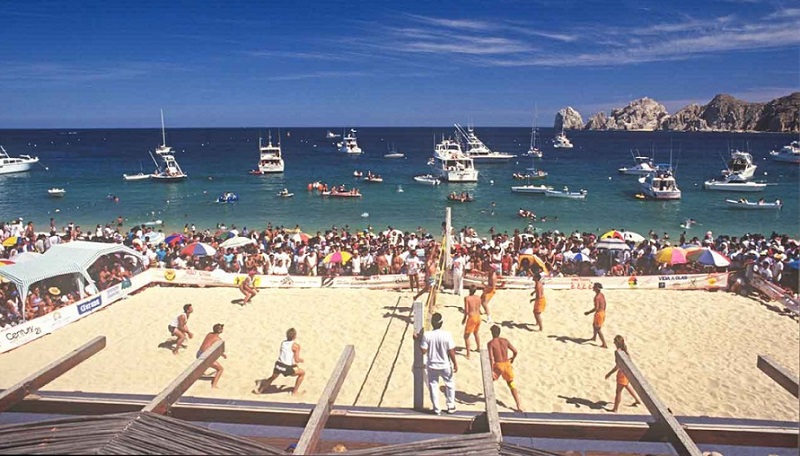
{"x":199,"y":249}
{"x":174,"y":238}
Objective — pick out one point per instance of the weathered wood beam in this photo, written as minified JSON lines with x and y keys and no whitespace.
{"x":780,"y":374}
{"x":309,"y":439}
{"x":492,"y":416}
{"x":162,"y":403}
{"x":418,"y":368}
{"x":680,"y":440}
{"x":50,"y":372}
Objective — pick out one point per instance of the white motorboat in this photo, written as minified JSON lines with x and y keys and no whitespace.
{"x":758,"y":205}
{"x":331,"y":135}
{"x":476,"y":149}
{"x":168,"y":170}
{"x":566,"y":194}
{"x":533,"y":189}
{"x":660,"y":185}
{"x":270,"y":158}
{"x":789,"y":153}
{"x":561,"y":141}
{"x":56,"y":192}
{"x":451,"y":164}
{"x":372,"y":177}
{"x":733,"y":183}
{"x":19,"y":164}
{"x":740,"y":164}
{"x":350,"y":144}
{"x":428,"y":179}
{"x":393,"y":153}
{"x":534,"y":151}
{"x":285,"y":193}
{"x":641,"y":166}
{"x":136,"y":177}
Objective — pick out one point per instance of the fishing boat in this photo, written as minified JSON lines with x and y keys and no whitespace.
{"x":285,"y":193}
{"x":451,"y":164}
{"x":534,"y":151}
{"x":741,"y":165}
{"x":270,"y":158}
{"x":758,"y":205}
{"x":733,"y":183}
{"x":476,"y":149}
{"x":428,"y":179}
{"x":533,"y":189}
{"x":168,"y":170}
{"x":460,"y":197}
{"x":566,"y":194}
{"x":228,"y":197}
{"x":56,"y":192}
{"x":641,"y":166}
{"x":136,"y":177}
{"x":660,"y":185}
{"x":341,"y":193}
{"x":19,"y":164}
{"x":350,"y":144}
{"x":561,"y":141}
{"x":789,"y":153}
{"x":393,"y":153}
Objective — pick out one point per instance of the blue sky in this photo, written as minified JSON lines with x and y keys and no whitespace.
{"x":271,"y":63}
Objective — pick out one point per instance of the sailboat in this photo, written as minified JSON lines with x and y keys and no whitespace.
{"x":561,"y":141}
{"x":534,"y":150}
{"x":169,"y":170}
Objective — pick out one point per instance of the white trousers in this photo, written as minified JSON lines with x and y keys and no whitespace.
{"x":458,"y":283}
{"x":449,"y":385}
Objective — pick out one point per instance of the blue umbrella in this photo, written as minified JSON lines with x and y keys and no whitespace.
{"x":581,"y":257}
{"x":794,"y":264}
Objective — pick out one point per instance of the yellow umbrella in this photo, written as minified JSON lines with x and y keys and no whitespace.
{"x":10,"y":241}
{"x":671,"y":255}
{"x":613,"y":234}
{"x":337,"y":257}
{"x":533,"y":259}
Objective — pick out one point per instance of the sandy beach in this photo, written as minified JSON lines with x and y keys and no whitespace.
{"x":698,"y":349}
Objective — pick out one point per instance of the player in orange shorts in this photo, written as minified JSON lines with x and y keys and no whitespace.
{"x":539,"y":301}
{"x":622,"y":380}
{"x":501,"y":364}
{"x":472,"y":318}
{"x":599,"y":314}
{"x":489,"y":290}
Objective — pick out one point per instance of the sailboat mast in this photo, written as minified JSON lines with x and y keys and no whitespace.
{"x":163,"y":133}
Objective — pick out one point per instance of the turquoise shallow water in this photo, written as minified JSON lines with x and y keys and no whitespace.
{"x":89,"y":164}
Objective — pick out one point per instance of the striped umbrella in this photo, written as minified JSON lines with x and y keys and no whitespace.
{"x":337,"y":257}
{"x":708,"y":257}
{"x":533,"y":259}
{"x":174,"y":238}
{"x":198,"y":249}
{"x":671,"y":255}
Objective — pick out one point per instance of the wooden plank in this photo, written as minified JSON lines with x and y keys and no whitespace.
{"x":681,"y":441}
{"x":418,"y":368}
{"x":50,"y":372}
{"x":309,"y":439}
{"x":752,"y":433}
{"x":162,"y":403}
{"x":492,"y":416}
{"x":780,"y":374}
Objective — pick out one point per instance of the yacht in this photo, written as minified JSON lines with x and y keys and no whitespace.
{"x":450,"y":164}
{"x":641,"y":165}
{"x":270,"y":159}
{"x":476,"y":149}
{"x":789,"y":153}
{"x":168,"y":170}
{"x":19,"y":164}
{"x":660,"y":185}
{"x":561,"y":141}
{"x":741,"y":165}
{"x":350,"y":145}
{"x":734,"y":183}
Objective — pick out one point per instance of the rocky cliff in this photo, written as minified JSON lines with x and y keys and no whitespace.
{"x":568,"y":119}
{"x":722,"y":113}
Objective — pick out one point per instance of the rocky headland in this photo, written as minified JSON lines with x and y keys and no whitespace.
{"x":722,"y":113}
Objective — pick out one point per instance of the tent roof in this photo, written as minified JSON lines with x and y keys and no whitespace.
{"x":39,"y":269}
{"x":124,"y":433}
{"x":85,"y":253}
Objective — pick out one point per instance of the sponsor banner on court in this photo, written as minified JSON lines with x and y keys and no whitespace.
{"x":389,"y":281}
{"x":711,"y":281}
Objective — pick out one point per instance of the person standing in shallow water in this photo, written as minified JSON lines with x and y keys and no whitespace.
{"x":622,"y":380}
{"x":599,"y":314}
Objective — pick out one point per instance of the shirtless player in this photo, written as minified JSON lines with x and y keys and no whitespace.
{"x":501,"y":365}
{"x":472,"y":318}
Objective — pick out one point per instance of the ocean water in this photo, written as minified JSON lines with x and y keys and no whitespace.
{"x":89,"y":164}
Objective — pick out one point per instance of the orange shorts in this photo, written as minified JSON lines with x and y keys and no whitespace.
{"x":503,"y":369}
{"x":599,"y":318}
{"x":539,"y":305}
{"x":621,"y":378}
{"x":488,"y":293}
{"x":473,"y":323}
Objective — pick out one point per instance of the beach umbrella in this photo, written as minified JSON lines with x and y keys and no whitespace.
{"x":199,"y":249}
{"x":10,"y":241}
{"x":300,"y":237}
{"x":533,"y":259}
{"x":237,"y":241}
{"x":174,"y":238}
{"x":613,"y":244}
{"x":708,"y":257}
{"x":25,"y":256}
{"x":613,"y":234}
{"x":581,"y":257}
{"x":794,"y":264}
{"x":671,"y":255}
{"x":5,"y":262}
{"x":630,"y":236}
{"x":337,"y":257}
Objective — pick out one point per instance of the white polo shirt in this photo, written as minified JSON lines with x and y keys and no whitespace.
{"x":438,"y":342}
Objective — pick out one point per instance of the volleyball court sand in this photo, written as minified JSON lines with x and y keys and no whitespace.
{"x":698,"y":349}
